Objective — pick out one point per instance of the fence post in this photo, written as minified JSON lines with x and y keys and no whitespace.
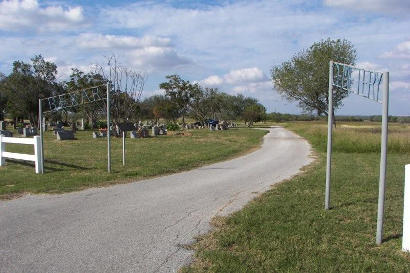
{"x":2,"y":149}
{"x":406,"y":210}
{"x":37,"y":153}
{"x":123,"y":148}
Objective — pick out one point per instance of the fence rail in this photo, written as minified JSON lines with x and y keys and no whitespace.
{"x":36,"y":158}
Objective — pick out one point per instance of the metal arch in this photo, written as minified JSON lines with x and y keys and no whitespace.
{"x":73,"y":99}
{"x":362,"y":82}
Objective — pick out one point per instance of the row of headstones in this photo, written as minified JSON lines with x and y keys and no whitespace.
{"x":142,"y":132}
{"x":193,"y":126}
{"x":221,"y":126}
{"x":26,"y":132}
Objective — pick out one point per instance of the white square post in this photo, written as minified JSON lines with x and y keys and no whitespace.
{"x":37,"y":153}
{"x":406,"y":210}
{"x":2,"y":149}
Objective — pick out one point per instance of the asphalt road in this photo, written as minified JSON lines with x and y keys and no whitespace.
{"x":141,"y":226}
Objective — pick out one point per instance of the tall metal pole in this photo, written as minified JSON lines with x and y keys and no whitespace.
{"x":329,"y":137}
{"x":108,"y":130}
{"x":40,"y":123}
{"x":123,"y":148}
{"x":383,"y":158}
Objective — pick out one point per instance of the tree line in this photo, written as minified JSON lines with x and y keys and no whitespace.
{"x":29,"y":82}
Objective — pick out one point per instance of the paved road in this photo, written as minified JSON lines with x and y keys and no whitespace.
{"x":139,"y":227}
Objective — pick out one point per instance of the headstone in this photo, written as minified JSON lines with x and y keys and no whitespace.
{"x":224,"y":125}
{"x":155,"y":130}
{"x":96,"y":135}
{"x":65,"y":135}
{"x":6,"y":133}
{"x":20,"y":131}
{"x":29,"y":132}
{"x":134,"y":134}
{"x":3,"y":125}
{"x":56,"y":130}
{"x":100,"y":134}
{"x":143,"y":132}
{"x":163,"y":129}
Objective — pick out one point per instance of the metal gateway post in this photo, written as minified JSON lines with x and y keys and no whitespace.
{"x":329,"y":138}
{"x":366,"y":84}
{"x":383,"y":159}
{"x":40,"y":125}
{"x":108,"y":130}
{"x":123,"y":148}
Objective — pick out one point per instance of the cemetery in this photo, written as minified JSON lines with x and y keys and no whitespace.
{"x":97,"y":131}
{"x":81,"y":161}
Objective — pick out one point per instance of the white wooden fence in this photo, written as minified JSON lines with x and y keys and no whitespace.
{"x":36,"y":141}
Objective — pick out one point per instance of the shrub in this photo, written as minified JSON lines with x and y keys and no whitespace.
{"x":173,"y":126}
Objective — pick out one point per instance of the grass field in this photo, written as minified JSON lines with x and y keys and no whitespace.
{"x":76,"y":164}
{"x":287,"y":229}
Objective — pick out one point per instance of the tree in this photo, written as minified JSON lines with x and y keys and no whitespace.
{"x":3,"y":97}
{"x":305,"y":77}
{"x":254,"y":113}
{"x":80,"y":80}
{"x":206,"y":103}
{"x":26,"y":84}
{"x":127,"y":86}
{"x":180,"y":92}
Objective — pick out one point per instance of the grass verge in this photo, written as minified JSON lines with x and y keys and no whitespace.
{"x":287,"y":229}
{"x":77,"y":164}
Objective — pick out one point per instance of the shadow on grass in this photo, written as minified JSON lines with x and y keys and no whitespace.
{"x":72,"y":166}
{"x":393,"y":237}
{"x":370,"y":200}
{"x":31,"y":164}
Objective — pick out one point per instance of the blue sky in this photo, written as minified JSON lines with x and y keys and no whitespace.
{"x":231,"y":45}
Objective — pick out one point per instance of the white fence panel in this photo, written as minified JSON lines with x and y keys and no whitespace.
{"x":35,"y":141}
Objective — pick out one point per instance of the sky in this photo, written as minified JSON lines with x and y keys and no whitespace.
{"x":231,"y":45}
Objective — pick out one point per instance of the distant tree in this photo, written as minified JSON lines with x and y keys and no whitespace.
{"x":159,"y":106}
{"x":206,"y":103}
{"x":305,"y":79}
{"x":254,"y":113}
{"x":180,"y":92}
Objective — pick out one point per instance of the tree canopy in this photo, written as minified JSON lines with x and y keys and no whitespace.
{"x":305,"y":78}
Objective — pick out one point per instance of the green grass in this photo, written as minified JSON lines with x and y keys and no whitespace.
{"x":287,"y":229}
{"x":76,"y":164}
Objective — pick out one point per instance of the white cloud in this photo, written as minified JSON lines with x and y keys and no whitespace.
{"x":371,"y":66}
{"x":235,"y":77}
{"x":254,"y":87}
{"x":252,"y":74}
{"x":213,"y":80}
{"x":401,"y":51}
{"x":28,"y":15}
{"x":400,"y":85}
{"x":382,"y":6}
{"x":148,"y":53}
{"x":100,"y":41}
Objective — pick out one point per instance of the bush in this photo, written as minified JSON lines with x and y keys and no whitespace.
{"x":101,"y":124}
{"x":173,"y":127}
